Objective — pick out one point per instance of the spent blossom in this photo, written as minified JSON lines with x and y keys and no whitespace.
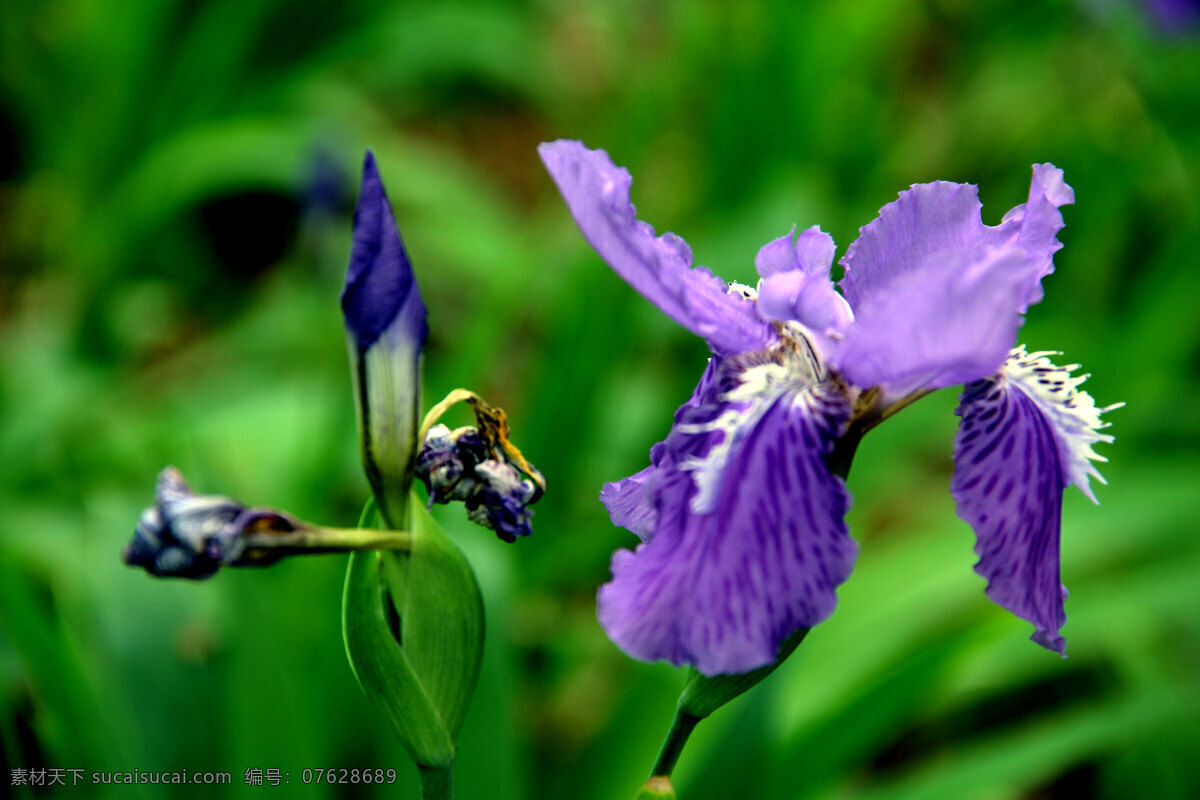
{"x":190,"y":535}
{"x":741,"y":511}
{"x":463,"y":465}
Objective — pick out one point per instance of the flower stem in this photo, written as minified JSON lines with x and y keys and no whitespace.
{"x":327,"y":540}
{"x":437,"y":783}
{"x":842,"y":456}
{"x":870,"y":414}
{"x":899,"y":405}
{"x":681,"y":728}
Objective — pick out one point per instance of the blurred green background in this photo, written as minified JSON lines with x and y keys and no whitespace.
{"x":176,"y":182}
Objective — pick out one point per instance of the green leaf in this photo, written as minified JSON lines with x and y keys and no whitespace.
{"x":413,"y":627}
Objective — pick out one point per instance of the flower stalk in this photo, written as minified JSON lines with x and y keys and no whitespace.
{"x":190,"y":535}
{"x":313,"y":541}
{"x":681,"y":729}
{"x":657,"y":788}
{"x":704,"y":694}
{"x":437,"y":783}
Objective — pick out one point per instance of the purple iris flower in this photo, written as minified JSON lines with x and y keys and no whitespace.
{"x":741,"y":511}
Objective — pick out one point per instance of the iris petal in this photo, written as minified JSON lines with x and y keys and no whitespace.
{"x":721,"y":584}
{"x":809,"y":299}
{"x":1025,"y":435}
{"x":380,"y":294}
{"x":628,"y":505}
{"x":1039,"y":222}
{"x":660,"y":267}
{"x":815,"y":248}
{"x":922,"y":272}
{"x":628,"y":501}
{"x":777,"y":255}
{"x":811,"y":253}
{"x":948,"y":321}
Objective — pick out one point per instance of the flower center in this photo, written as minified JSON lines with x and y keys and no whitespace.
{"x":746,"y":386}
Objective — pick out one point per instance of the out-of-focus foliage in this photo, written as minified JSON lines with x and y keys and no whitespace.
{"x":175,"y":186}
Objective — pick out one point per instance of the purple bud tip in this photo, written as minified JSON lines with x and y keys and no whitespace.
{"x":1176,"y":16}
{"x":381,"y":293}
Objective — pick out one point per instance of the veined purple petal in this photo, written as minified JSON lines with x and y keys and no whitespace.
{"x":380,"y":294}
{"x":628,"y":501}
{"x":660,"y":267}
{"x":1025,"y":435}
{"x":738,"y":561}
{"x":1008,"y":486}
{"x":1072,"y":413}
{"x":931,"y":248}
{"x":628,"y":505}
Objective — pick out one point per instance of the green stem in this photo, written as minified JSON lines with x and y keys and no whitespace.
{"x":898,"y":406}
{"x":681,"y":728}
{"x":842,"y":457}
{"x":329,"y":540}
{"x":437,"y":783}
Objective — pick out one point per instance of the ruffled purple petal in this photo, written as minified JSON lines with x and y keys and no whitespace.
{"x":928,"y":219}
{"x":629,"y":505}
{"x":918,"y":275}
{"x":811,"y":252}
{"x":809,"y":299}
{"x":660,"y":267}
{"x":380,"y":294}
{"x":1038,"y":222}
{"x":629,"y":501}
{"x":795,"y":286}
{"x":741,"y":555}
{"x":1025,"y":435}
{"x":944,"y":323}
